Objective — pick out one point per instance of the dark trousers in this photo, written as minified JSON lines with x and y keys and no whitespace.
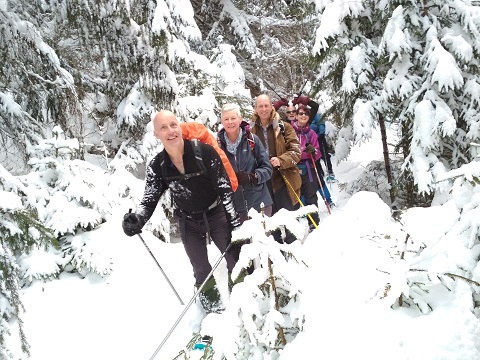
{"x":322,"y":141}
{"x":281,"y":200}
{"x":309,"y":193}
{"x":193,"y":233}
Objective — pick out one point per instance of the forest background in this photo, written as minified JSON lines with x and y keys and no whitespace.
{"x":80,"y":80}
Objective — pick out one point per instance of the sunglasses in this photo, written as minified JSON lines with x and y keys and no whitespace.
{"x":291,"y":112}
{"x":302,"y":113}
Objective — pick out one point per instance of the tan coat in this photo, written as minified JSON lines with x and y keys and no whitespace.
{"x":284,"y":146}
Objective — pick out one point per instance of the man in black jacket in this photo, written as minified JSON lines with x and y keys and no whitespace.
{"x":202,"y":196}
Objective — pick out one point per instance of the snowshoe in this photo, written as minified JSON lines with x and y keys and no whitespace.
{"x":204,"y":342}
{"x":198,"y":348}
{"x":330,"y":178}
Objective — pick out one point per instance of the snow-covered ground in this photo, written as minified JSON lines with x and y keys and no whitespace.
{"x":349,"y":262}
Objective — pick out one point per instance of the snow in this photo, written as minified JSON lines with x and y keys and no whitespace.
{"x":10,"y":201}
{"x":345,"y":278}
{"x":347,"y":274}
{"x":9,"y":105}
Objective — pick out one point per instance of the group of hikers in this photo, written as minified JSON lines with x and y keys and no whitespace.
{"x":276,"y":165}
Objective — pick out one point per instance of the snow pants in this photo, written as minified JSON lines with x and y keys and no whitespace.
{"x":324,"y":148}
{"x":194,"y":230}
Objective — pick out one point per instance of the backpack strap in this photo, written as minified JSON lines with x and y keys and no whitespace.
{"x":281,"y":125}
{"x":162,"y":164}
{"x":251,"y":142}
{"x":197,"y":152}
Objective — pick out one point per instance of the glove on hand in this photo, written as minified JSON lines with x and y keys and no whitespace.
{"x":244,"y":178}
{"x":310,"y":149}
{"x":301,"y":100}
{"x":132,"y":224}
{"x":279,"y":103}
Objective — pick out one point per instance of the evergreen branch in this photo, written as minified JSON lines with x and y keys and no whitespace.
{"x":274,"y":288}
{"x":452,"y":276}
{"x":470,"y":281}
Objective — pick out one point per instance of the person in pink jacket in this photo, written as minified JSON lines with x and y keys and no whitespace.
{"x":310,"y":153}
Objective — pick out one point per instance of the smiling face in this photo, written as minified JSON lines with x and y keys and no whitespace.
{"x":166,"y":128}
{"x":231,"y":123}
{"x":291,"y":113}
{"x":263,"y":107}
{"x":302,"y":117}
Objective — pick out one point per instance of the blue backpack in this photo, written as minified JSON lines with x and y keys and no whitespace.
{"x":318,"y":125}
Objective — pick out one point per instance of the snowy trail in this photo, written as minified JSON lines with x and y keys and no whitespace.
{"x":127,"y":314}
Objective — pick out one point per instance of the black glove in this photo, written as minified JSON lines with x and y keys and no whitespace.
{"x":132,"y":224}
{"x":301,"y":100}
{"x":244,"y":178}
{"x":310,"y":149}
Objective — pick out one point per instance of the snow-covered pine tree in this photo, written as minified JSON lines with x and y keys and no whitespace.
{"x":271,"y":319}
{"x":139,"y":47}
{"x":35,"y":89}
{"x":72,"y":196}
{"x":207,"y":88}
{"x":10,"y":298}
{"x":20,"y":233}
{"x":270,"y":39}
{"x":420,"y":264}
{"x":231,"y":77}
{"x":411,"y":64}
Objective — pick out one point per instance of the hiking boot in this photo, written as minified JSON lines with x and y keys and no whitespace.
{"x":210,"y":297}
{"x":330,"y":177}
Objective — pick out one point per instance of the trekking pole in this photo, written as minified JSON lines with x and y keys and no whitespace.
{"x":298,"y":198}
{"x":163,"y":272}
{"x":303,"y":87}
{"x":271,"y":88}
{"x":320,"y":183}
{"x":200,"y":288}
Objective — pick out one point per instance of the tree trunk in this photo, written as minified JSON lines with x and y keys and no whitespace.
{"x":386,"y":158}
{"x":407,"y":176}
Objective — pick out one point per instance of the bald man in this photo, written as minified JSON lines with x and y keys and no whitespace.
{"x":203,"y":201}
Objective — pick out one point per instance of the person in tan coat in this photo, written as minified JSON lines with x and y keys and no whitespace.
{"x":283,"y":148}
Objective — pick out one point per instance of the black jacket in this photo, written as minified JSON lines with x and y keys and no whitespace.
{"x":193,"y":192}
